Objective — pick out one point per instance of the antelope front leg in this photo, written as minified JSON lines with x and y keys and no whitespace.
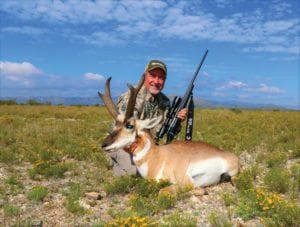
{"x":175,"y":189}
{"x":172,"y":190}
{"x":199,"y":192}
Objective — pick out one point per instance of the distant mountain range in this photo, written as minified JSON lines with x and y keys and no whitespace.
{"x":89,"y":101}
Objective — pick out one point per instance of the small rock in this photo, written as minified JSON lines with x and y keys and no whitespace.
{"x":38,"y":223}
{"x":103,"y":194}
{"x":84,"y":204}
{"x":93,"y":195}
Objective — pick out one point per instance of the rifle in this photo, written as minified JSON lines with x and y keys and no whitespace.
{"x":172,"y":122}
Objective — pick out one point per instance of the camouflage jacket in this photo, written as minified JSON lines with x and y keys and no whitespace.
{"x":147,"y":106}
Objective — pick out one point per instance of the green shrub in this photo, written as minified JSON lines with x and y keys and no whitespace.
{"x":33,"y":102}
{"x":165,"y":201}
{"x":236,"y":110}
{"x":11,"y":210}
{"x":296,"y":153}
{"x":7,"y":156}
{"x":228,"y":199}
{"x":143,"y":205}
{"x":74,"y":206}
{"x":37,"y":193}
{"x":12,"y":180}
{"x":270,"y":206}
{"x":244,"y":180}
{"x":13,"y":185}
{"x":178,"y":219}
{"x":126,"y":184}
{"x":49,"y":169}
{"x":8,"y":102}
{"x":146,"y":188}
{"x":218,"y":220}
{"x":123,"y":184}
{"x":152,"y":204}
{"x":277,"y":179}
{"x":276,"y":159}
{"x":146,"y":199}
{"x":247,"y":205}
{"x":295,"y":181}
{"x":287,"y":214}
{"x":72,"y":199}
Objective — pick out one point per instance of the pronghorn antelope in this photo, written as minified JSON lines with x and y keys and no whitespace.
{"x":182,"y":163}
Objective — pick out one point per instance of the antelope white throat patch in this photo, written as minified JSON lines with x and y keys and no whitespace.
{"x":142,"y":153}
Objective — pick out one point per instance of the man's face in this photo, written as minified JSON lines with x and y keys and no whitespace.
{"x":155,"y":81}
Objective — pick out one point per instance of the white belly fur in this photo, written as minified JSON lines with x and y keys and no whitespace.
{"x":207,"y":172}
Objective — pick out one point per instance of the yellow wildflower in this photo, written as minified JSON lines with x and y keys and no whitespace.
{"x":270,"y":201}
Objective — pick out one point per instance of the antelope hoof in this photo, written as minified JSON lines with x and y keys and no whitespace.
{"x":233,"y":180}
{"x":171,"y":190}
{"x":199,"y":192}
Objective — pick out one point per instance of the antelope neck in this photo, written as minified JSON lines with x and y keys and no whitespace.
{"x":137,"y":156}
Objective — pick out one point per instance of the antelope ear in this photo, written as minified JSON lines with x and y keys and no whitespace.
{"x":149,"y":123}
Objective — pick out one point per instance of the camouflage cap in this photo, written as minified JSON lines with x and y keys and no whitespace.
{"x":156,"y":64}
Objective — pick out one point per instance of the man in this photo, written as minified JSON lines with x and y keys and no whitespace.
{"x":150,"y":103}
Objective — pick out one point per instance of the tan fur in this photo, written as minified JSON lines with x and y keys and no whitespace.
{"x":177,"y":156}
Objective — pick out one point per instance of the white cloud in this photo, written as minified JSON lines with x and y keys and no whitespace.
{"x":232,"y":84}
{"x":218,"y":94}
{"x":263,"y":88}
{"x":236,"y":84}
{"x":280,"y":8}
{"x":118,"y":22}
{"x":274,"y":49}
{"x":222,"y":3}
{"x":19,"y":72}
{"x":205,"y":74}
{"x":100,"y":38}
{"x":26,"y":30}
{"x":273,"y":27}
{"x":93,"y":76}
{"x":77,"y":11}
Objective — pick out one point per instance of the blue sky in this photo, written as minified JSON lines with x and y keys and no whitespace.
{"x":67,"y":48}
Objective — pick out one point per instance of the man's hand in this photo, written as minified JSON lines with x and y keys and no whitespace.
{"x":182,"y":114}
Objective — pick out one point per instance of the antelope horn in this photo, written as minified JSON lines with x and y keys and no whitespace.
{"x":132,"y":97}
{"x":107,"y":100}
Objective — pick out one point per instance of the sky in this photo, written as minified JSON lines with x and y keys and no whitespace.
{"x":68,"y":48}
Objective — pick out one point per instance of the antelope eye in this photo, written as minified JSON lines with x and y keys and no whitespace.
{"x":129,"y":126}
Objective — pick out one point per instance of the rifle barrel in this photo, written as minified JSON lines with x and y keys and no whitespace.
{"x":191,"y":85}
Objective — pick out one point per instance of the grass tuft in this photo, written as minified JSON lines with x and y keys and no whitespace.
{"x":37,"y":193}
{"x":72,"y":199}
{"x":277,"y":179}
{"x":11,"y":210}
